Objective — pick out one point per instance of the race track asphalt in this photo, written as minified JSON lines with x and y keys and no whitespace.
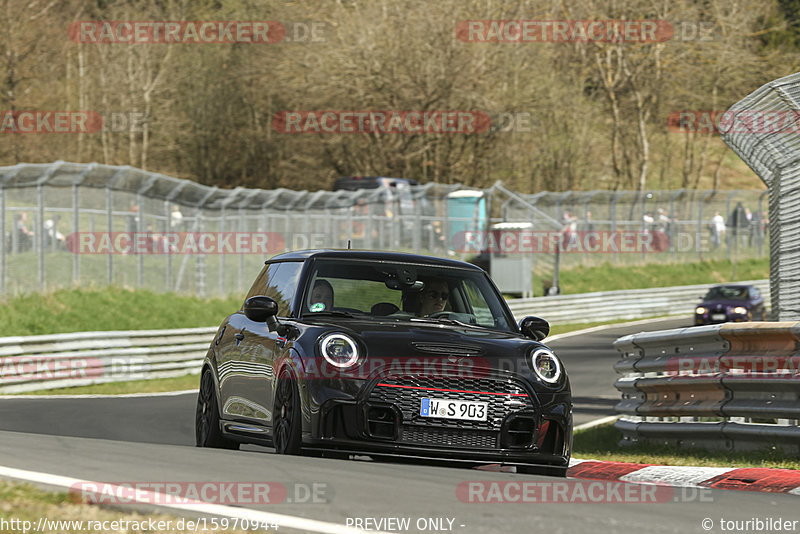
{"x":151,"y":439}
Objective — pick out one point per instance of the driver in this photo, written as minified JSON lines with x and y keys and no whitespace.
{"x":433,"y":298}
{"x":322,"y":293}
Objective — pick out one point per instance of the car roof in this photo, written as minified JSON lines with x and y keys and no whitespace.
{"x":375,"y":255}
{"x":733,"y":285}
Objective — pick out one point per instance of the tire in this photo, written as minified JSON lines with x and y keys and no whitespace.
{"x":550,"y":471}
{"x":206,"y":421}
{"x":286,"y":420}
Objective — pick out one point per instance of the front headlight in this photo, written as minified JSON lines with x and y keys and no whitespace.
{"x":700,"y":310}
{"x":545,"y":364}
{"x":741,"y":310}
{"x":339,"y":350}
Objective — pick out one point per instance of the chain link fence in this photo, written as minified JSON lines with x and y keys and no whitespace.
{"x":69,"y":224}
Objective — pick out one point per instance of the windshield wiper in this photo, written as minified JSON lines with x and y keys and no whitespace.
{"x":443,"y":320}
{"x":329,"y":313}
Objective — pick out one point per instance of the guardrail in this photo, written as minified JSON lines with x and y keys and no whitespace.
{"x":624,"y":304}
{"x":734,"y":386}
{"x":83,"y":358}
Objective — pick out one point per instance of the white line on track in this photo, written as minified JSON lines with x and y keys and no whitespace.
{"x":284,"y":521}
{"x":608,"y":326}
{"x":120,"y":396}
{"x":596,"y":422}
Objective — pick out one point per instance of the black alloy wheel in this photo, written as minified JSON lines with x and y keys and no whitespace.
{"x":206,"y":421}
{"x":286,"y":424}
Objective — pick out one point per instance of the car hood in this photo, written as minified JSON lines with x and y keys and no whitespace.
{"x":407,"y":338}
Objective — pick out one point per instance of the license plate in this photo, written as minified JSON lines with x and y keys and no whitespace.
{"x":454,"y":409}
{"x":718,"y":317}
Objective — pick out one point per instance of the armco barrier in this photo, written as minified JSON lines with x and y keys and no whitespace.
{"x":82,"y":358}
{"x":734,"y":386}
{"x":624,"y":304}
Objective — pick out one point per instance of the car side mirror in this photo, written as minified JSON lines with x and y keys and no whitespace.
{"x":535,"y":328}
{"x":261,"y":309}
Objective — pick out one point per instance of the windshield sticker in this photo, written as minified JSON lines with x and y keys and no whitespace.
{"x":317,"y":307}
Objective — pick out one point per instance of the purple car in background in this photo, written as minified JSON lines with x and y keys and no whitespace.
{"x":730,"y":302}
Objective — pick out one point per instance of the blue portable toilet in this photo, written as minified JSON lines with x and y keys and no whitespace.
{"x":466,"y":212}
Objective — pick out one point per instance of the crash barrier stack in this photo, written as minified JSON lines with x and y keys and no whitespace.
{"x":734,"y":386}
{"x":625,"y":304}
{"x":83,"y":358}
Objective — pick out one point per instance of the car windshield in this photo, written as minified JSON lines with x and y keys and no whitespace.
{"x":404,"y":292}
{"x":727,"y":293}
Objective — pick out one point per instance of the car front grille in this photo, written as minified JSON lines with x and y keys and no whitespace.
{"x":445,"y":437}
{"x":503,"y":395}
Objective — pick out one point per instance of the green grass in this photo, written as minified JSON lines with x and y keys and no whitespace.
{"x":608,"y":277}
{"x":601,"y":443}
{"x":76,"y":310}
{"x":158,"y":385}
{"x":25,"y":502}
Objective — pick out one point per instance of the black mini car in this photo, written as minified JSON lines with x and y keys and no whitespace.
{"x":385,"y":354}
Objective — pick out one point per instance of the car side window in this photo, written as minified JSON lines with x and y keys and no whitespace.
{"x":480,"y":308}
{"x":755,"y":293}
{"x":279,"y":282}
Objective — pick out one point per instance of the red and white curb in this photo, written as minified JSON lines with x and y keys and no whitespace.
{"x":761,"y":479}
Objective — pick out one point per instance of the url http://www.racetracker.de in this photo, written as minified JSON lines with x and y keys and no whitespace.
{"x":752,"y":524}
{"x":202,"y":524}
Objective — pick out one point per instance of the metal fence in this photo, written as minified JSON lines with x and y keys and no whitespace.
{"x":54,"y":219}
{"x":732,"y":386}
{"x":32,"y":363}
{"x":761,"y":128}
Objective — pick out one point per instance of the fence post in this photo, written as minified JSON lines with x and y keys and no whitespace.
{"x":76,"y":264}
{"x":40,"y":233}
{"x":221,"y":257}
{"x":242,"y":228}
{"x":109,"y":226}
{"x":4,"y":245}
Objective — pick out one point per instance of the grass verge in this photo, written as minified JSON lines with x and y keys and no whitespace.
{"x":110,"y":308}
{"x":601,"y":443}
{"x":608,"y":277}
{"x":158,"y":385}
{"x":21,"y":502}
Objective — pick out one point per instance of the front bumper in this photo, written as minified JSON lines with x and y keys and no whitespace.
{"x":383,"y":418}
{"x":716,"y":317}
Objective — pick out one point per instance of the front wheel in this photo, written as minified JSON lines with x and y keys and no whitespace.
{"x":286,"y":422}
{"x":206,"y":422}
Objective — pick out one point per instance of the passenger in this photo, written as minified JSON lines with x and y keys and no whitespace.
{"x":433,"y":298}
{"x":322,"y":293}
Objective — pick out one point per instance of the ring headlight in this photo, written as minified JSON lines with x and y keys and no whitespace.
{"x":339,"y":350}
{"x":546,"y":366}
